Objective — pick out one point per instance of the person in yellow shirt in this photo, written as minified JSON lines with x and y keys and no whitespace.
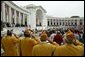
{"x":26,"y":44}
{"x":69,"y":49}
{"x":43,"y":48}
{"x":9,"y":44}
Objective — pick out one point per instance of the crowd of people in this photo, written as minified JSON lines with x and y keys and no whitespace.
{"x":48,"y":43}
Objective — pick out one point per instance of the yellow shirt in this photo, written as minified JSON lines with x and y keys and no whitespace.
{"x":78,"y":43}
{"x":26,"y":46}
{"x":37,"y":39}
{"x":9,"y":44}
{"x":43,"y":49}
{"x":69,"y":50}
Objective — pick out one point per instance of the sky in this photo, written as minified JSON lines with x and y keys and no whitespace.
{"x":58,"y":8}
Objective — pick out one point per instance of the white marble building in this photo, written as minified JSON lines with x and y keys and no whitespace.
{"x":31,"y":15}
{"x":37,"y":16}
{"x":13,"y":14}
{"x":64,"y":23}
{"x":34,"y":17}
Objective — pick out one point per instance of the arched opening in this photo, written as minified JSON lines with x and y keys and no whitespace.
{"x":39,"y":17}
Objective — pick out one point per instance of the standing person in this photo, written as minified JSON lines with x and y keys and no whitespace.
{"x":52,"y":35}
{"x":64,"y":35}
{"x":69,"y":49}
{"x":42,"y":31}
{"x":9,"y":44}
{"x":58,"y":38}
{"x":32,"y":34}
{"x":43,"y":48}
{"x":62,"y":31}
{"x":81,"y":37}
{"x":47,"y":32}
{"x":26,"y":44}
{"x":76,"y":34}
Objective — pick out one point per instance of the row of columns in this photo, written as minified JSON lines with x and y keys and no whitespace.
{"x":10,"y":17}
{"x":66,"y":22}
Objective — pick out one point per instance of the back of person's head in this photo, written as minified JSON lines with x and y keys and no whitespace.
{"x":27,"y":33}
{"x":53,"y":31}
{"x":9,"y":33}
{"x":66,"y":31}
{"x":58,"y":32}
{"x":76,"y":31}
{"x":69,"y":37}
{"x":43,"y":37}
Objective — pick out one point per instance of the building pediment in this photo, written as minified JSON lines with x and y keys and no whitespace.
{"x":42,"y":8}
{"x":34,"y":7}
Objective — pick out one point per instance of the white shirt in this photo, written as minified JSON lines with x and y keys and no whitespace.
{"x":52,"y":36}
{"x":2,"y":51}
{"x":81,"y":35}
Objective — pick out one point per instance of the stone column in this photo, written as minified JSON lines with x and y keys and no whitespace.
{"x":55,"y":22}
{"x":7,"y":16}
{"x":15,"y":16}
{"x":3,"y":11}
{"x":23,"y":19}
{"x":58,"y":22}
{"x":19,"y":18}
{"x":1,"y":16}
{"x":83,"y":21}
{"x":44,"y":21}
{"x":64,"y":23}
{"x":32,"y":19}
{"x":10,"y":15}
{"x":69,"y":22}
{"x":28,"y":20}
{"x":78,"y":22}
